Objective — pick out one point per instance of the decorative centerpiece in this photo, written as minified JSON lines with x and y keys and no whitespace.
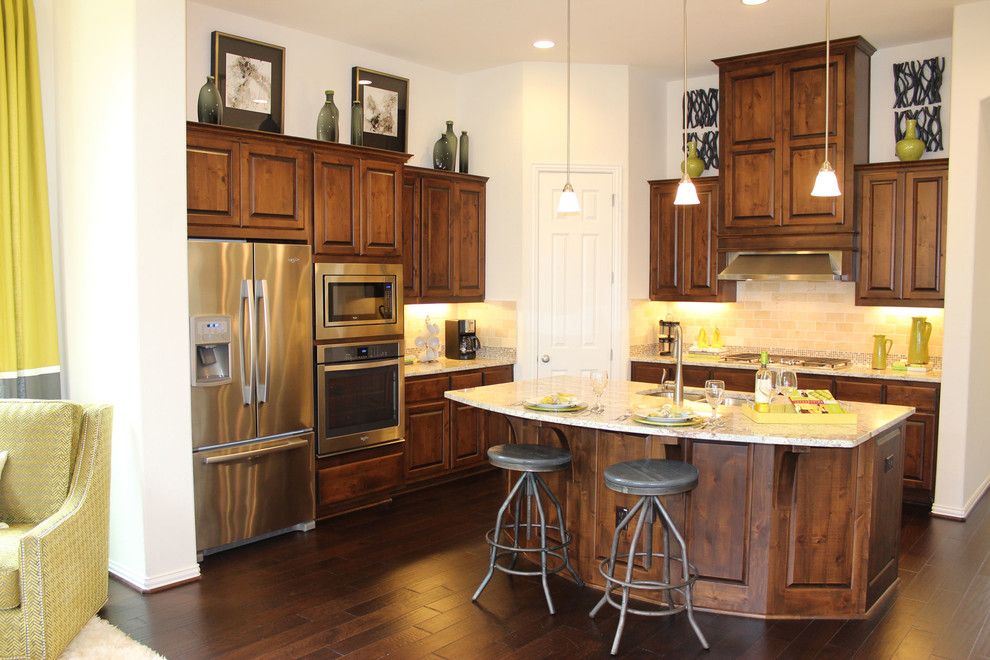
{"x":429,"y":342}
{"x":210,"y":106}
{"x":911,"y":147}
{"x":327,"y":122}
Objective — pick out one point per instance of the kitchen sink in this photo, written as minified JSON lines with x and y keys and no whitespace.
{"x":697,"y":394}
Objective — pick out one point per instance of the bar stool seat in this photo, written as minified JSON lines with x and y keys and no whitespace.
{"x":651,"y":477}
{"x":529,"y":458}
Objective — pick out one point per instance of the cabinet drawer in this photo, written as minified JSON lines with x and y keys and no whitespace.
{"x":816,"y":382}
{"x":496,"y":375}
{"x":647,"y":372}
{"x":426,"y":389}
{"x":359,"y":479}
{"x":736,"y":380}
{"x":459,"y":381}
{"x":921,"y":397}
{"x":852,"y":389}
{"x":693,"y":376}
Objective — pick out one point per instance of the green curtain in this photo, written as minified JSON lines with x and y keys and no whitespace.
{"x":29,"y":363}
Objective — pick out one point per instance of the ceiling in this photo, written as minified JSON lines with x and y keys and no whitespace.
{"x":467,"y":35}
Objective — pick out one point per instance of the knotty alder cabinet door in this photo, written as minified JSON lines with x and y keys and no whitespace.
{"x":772,"y":122}
{"x":443,"y":225}
{"x":902,"y":210}
{"x":684,"y":260}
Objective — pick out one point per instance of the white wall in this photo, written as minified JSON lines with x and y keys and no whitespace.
{"x":964,"y":418}
{"x":675,"y":120}
{"x":314,"y":64}
{"x":119,"y":173}
{"x":882,"y":94}
{"x":647,"y":155}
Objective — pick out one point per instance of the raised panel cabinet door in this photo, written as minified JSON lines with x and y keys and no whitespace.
{"x":752,"y":196}
{"x":426,"y":440}
{"x":410,"y":238}
{"x":885,"y":532}
{"x":925,"y":207}
{"x":212,"y":180}
{"x":469,"y":262}
{"x":467,"y":443}
{"x":816,"y":382}
{"x":919,"y":452}
{"x":438,"y":217}
{"x":698,"y":226}
{"x":879,"y":198}
{"x":381,"y":194}
{"x":275,"y":187}
{"x":335,"y":204}
{"x":804,"y":117}
{"x":647,"y":372}
{"x":665,"y":259}
{"x":693,"y":376}
{"x":736,"y":380}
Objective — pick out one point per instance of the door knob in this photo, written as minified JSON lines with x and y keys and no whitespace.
{"x":544,"y":358}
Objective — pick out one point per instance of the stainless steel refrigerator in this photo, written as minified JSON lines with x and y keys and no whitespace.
{"x":251,"y":382}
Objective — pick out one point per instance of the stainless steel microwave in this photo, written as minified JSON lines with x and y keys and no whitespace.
{"x":358,"y":300}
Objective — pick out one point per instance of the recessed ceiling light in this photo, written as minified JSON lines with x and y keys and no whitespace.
{"x":754,"y":2}
{"x":364,"y":82}
{"x":543,"y":43}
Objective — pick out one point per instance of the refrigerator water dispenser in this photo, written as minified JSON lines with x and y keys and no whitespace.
{"x":211,"y":350}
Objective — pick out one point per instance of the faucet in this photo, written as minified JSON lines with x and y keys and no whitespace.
{"x":678,"y":372}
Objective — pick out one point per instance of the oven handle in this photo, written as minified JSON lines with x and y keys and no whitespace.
{"x":352,"y":366}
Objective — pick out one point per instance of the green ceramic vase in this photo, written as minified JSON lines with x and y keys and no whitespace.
{"x":463,"y":161}
{"x":357,"y":124}
{"x":328,"y":121}
{"x":452,"y":145}
{"x":695,"y":166}
{"x":910,"y":148}
{"x":442,"y":159}
{"x":210,"y":106}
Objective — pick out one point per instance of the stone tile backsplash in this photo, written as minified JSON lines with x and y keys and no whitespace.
{"x":496,"y":322}
{"x":814,"y":318}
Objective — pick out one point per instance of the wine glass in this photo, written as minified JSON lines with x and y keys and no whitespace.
{"x":599,"y":381}
{"x":714,"y":393}
{"x":787,"y":383}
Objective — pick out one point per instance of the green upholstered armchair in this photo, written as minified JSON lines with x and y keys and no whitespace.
{"x":55,"y":499}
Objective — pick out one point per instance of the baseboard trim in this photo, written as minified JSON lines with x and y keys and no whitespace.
{"x":960,"y":514}
{"x":155,"y":583}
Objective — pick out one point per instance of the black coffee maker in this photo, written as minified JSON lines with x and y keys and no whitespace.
{"x":461,"y":343}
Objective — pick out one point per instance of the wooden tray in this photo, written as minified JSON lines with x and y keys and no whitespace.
{"x":784,"y":414}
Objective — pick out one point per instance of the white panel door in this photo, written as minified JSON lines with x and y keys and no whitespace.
{"x":574,"y":286}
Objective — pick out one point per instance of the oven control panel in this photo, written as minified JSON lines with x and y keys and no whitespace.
{"x":342,"y":353}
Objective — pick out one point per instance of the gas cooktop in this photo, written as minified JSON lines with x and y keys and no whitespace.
{"x":789,"y":360}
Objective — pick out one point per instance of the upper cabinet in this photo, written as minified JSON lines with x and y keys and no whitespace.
{"x":443,"y":234}
{"x":772,"y":122}
{"x":245,"y":184}
{"x":684,"y":260}
{"x":902,"y":210}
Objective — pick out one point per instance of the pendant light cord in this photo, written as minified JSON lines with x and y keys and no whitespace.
{"x":828,"y":24}
{"x":684,"y":95}
{"x":568,"y":91}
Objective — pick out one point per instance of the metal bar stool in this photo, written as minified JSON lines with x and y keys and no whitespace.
{"x":530,"y":460}
{"x":650,"y":478}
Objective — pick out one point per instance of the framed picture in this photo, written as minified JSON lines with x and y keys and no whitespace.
{"x":385,"y":102}
{"x":250,"y":76}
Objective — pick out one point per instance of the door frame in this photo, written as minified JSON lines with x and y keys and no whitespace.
{"x":529,"y":307}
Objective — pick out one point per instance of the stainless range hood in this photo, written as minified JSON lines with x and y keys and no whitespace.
{"x":808,"y":266}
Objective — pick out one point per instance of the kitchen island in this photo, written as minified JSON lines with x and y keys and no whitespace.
{"x":786,"y":520}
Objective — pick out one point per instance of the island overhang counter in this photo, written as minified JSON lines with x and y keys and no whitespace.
{"x":786,"y":521}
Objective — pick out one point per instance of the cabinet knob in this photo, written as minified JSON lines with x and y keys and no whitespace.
{"x":544,"y":358}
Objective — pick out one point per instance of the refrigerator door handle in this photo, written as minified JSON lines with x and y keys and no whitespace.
{"x":254,"y":453}
{"x":247,"y":370}
{"x":261,"y":293}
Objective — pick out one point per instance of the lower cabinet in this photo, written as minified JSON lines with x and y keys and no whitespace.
{"x":443,"y":437}
{"x":358,"y":479}
{"x":921,"y":432}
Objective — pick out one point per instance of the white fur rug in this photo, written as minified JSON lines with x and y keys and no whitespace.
{"x":99,"y":640}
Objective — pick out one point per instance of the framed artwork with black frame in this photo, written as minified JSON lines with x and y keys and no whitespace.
{"x":251,"y":78}
{"x":385,"y":102}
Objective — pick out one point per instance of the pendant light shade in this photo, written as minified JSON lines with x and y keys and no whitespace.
{"x":826,"y":183}
{"x":568,"y":202}
{"x":687,"y":194}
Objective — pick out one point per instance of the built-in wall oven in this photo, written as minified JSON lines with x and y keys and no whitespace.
{"x":360,"y":395}
{"x":358,"y":300}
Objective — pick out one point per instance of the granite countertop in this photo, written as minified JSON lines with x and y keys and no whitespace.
{"x":446,"y":365}
{"x":852,"y":371}
{"x":622,"y":397}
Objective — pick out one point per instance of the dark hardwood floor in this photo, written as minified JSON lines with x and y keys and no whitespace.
{"x":397,"y":581}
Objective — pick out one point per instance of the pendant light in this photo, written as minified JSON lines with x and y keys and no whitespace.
{"x":826,"y":183}
{"x":568,"y":202}
{"x":687,"y":194}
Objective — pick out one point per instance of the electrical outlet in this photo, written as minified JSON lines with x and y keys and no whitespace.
{"x":620,"y":513}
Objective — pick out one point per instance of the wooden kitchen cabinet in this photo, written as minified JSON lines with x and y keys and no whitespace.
{"x":443,"y":437}
{"x":902,"y":212}
{"x":275,"y":186}
{"x":444,"y":236}
{"x":771,"y":123}
{"x":684,"y":259}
